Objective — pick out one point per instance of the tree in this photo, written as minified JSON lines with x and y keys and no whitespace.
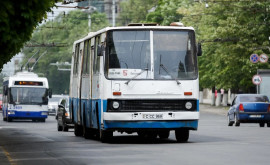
{"x":230,"y":33}
{"x":18,"y":20}
{"x":62,"y":31}
{"x":135,"y":11}
{"x":166,"y":12}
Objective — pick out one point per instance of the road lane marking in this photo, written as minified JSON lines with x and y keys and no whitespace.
{"x":7,"y":154}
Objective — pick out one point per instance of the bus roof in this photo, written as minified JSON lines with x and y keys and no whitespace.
{"x":91,"y":34}
{"x":28,"y":77}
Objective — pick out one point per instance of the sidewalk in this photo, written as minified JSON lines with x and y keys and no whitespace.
{"x":221,"y":110}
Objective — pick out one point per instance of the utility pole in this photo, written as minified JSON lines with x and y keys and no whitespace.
{"x":113,"y":13}
{"x":89,"y":17}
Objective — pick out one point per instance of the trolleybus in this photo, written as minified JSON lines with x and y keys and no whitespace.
{"x":25,"y":97}
{"x":136,"y":79}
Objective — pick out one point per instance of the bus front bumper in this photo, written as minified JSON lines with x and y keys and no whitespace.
{"x":151,"y":120}
{"x":27,"y":114}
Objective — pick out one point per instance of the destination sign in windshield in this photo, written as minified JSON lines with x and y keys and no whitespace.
{"x":31,"y":83}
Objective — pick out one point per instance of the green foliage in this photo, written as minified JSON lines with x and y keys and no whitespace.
{"x":18,"y":20}
{"x":63,"y":30}
{"x":230,"y":33}
{"x":135,"y":11}
{"x":166,"y":12}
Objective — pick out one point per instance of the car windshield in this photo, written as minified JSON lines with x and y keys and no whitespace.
{"x":55,"y":99}
{"x":31,"y":96}
{"x":145,"y":54}
{"x":254,"y":99}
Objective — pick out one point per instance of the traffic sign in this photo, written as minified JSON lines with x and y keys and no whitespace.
{"x":263,"y":58}
{"x":256,"y":79}
{"x":254,"y":58}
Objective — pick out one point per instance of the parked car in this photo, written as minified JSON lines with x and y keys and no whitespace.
{"x":64,"y":121}
{"x":249,"y":108}
{"x":53,"y":103}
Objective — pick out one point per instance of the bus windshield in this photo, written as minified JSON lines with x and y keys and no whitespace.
{"x":30,"y":96}
{"x":147,"y":54}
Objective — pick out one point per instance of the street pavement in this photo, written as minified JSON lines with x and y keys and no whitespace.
{"x":32,"y":143}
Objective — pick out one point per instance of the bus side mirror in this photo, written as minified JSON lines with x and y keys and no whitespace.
{"x":100,"y":50}
{"x":199,"y":52}
{"x":50,"y":93}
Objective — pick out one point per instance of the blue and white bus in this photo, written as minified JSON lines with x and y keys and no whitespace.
{"x":136,"y":79}
{"x":25,"y":96}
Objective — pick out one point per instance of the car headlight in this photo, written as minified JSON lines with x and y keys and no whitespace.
{"x":188,"y":105}
{"x":115,"y":104}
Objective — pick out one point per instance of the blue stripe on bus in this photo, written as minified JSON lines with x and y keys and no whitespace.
{"x":25,"y":114}
{"x":151,"y":124}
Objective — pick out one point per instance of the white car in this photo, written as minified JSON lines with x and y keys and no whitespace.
{"x":53,"y":103}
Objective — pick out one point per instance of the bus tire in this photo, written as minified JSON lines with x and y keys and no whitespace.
{"x":164,"y":134}
{"x":182,"y":135}
{"x":4,"y":119}
{"x":106,"y":136}
{"x":78,"y":130}
{"x":9,"y":119}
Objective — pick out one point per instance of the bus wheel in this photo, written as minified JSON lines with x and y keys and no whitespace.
{"x":4,"y":119}
{"x":141,"y":134}
{"x":9,"y":119}
{"x":78,"y":131}
{"x":106,"y":136}
{"x":164,"y":134}
{"x":182,"y":135}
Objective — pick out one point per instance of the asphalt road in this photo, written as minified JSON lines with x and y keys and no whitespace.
{"x":35,"y":143}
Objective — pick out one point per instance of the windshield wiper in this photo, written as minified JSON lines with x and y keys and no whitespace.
{"x":163,"y":67}
{"x":146,"y":69}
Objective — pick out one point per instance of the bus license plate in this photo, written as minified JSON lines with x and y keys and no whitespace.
{"x":153,"y":116}
{"x":255,"y":116}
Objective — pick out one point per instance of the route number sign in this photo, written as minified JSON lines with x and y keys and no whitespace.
{"x":254,"y":58}
{"x":256,"y":79}
{"x":263,"y":58}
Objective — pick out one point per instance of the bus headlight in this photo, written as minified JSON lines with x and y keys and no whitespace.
{"x":188,"y":105}
{"x":11,"y":112}
{"x":115,"y":104}
{"x":44,"y":113}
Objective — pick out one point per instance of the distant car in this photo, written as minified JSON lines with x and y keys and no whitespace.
{"x":53,"y":103}
{"x":249,"y":108}
{"x":64,"y":121}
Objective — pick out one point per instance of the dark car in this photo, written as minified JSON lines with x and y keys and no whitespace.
{"x":249,"y":108}
{"x":64,"y":121}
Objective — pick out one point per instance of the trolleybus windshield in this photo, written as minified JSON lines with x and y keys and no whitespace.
{"x":146,"y":54}
{"x":29,"y":96}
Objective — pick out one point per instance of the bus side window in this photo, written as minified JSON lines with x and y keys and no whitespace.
{"x":96,"y":57}
{"x":76,"y":60}
{"x":86,"y":53}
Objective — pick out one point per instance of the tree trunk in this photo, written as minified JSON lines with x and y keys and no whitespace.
{"x":213,"y":96}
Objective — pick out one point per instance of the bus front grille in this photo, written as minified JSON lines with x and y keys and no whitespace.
{"x":151,"y":105}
